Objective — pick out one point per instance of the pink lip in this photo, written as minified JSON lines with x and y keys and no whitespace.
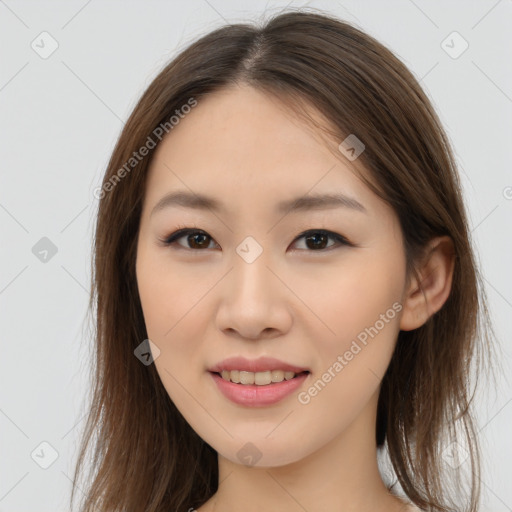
{"x":258,"y":396}
{"x":261,"y":364}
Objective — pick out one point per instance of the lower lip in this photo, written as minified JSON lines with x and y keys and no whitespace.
{"x":252,"y":395}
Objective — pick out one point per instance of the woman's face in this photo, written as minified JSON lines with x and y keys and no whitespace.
{"x":251,"y":285}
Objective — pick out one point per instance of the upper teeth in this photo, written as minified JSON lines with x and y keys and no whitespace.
{"x":258,"y":378}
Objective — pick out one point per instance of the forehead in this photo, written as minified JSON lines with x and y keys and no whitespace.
{"x":242,"y":144}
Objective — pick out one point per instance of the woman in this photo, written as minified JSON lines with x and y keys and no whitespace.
{"x":284,"y":285}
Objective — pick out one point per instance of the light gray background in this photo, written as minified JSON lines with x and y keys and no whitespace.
{"x":60,"y":117}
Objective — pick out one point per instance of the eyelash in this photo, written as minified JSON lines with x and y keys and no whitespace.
{"x":186,"y":230}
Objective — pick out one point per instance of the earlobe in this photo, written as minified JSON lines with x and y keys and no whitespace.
{"x":430,"y":289}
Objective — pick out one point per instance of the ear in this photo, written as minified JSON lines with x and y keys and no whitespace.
{"x":428,"y":291}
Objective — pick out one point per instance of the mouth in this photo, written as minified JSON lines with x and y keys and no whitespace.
{"x":256,"y":389}
{"x":266,"y":378}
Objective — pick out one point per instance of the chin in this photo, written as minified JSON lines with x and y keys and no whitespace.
{"x":262,"y":453}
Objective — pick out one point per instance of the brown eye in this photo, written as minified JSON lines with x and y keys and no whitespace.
{"x":195,"y":239}
{"x":198,"y":240}
{"x":317,"y":240}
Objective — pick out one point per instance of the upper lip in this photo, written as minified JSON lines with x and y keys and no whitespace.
{"x":261,"y":364}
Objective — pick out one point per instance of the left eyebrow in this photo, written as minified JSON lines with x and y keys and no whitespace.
{"x":187,"y":199}
{"x":320,"y":202}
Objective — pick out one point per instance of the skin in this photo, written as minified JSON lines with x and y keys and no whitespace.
{"x":295,"y":302}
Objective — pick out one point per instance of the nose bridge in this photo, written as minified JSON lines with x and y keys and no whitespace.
{"x":251,"y":273}
{"x":253,"y":288}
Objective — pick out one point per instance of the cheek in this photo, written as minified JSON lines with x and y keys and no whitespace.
{"x":352,"y":297}
{"x":352,"y":364}
{"x":362,"y":311}
{"x":167,"y":295}
{"x":173,"y":304}
{"x":174,"y":321}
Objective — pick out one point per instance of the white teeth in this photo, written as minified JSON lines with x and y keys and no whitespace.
{"x":258,"y":378}
{"x":246,"y":377}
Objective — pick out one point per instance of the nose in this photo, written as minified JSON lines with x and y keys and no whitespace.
{"x":254,"y":302}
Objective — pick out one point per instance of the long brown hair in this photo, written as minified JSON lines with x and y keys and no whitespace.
{"x":146,"y":457}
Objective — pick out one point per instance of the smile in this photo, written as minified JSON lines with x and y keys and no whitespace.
{"x":251,"y":394}
{"x":258,"y":378}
